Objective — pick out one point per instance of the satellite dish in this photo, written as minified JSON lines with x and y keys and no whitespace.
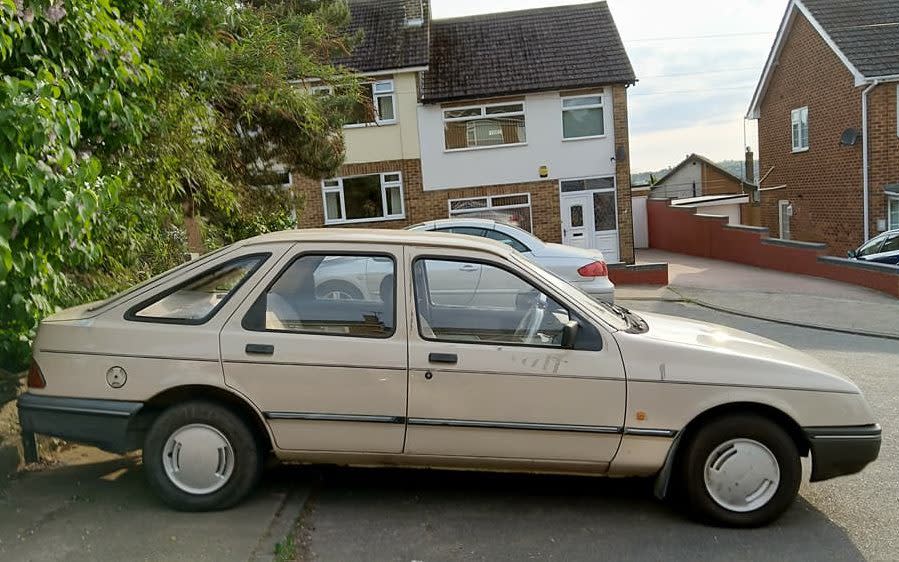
{"x":849,"y":137}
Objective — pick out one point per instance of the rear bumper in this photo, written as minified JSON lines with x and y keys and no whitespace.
{"x":838,"y":451}
{"x":102,"y":423}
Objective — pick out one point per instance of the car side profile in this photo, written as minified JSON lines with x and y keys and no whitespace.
{"x":241,"y":355}
{"x":583,"y":268}
{"x":883,"y":248}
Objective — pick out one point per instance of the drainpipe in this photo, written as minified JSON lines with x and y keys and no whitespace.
{"x":865,"y":187}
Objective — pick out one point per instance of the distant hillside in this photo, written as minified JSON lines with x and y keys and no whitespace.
{"x":733,"y":166}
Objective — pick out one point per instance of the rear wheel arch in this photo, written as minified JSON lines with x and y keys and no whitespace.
{"x":160,"y":402}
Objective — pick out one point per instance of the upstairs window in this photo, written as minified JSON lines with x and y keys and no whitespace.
{"x":363,"y":198}
{"x":484,"y":126}
{"x":582,"y":117}
{"x":377,"y":105}
{"x":799,"y":119}
{"x":893,"y":213}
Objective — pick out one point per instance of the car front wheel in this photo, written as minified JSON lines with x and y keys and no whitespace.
{"x":740,"y":471}
{"x":199,"y":456}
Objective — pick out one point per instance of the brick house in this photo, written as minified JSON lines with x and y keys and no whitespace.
{"x":518,"y":115}
{"x":828,"y":98}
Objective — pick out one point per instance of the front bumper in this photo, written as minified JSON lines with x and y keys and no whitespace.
{"x":102,"y":423}
{"x":838,"y":451}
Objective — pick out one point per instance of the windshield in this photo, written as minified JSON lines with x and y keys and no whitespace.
{"x":610,"y":314}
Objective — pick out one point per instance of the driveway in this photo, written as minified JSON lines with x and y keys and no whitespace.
{"x":773,"y":295}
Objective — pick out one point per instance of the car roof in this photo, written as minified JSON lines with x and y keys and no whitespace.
{"x":381,"y":236}
{"x":484,"y":223}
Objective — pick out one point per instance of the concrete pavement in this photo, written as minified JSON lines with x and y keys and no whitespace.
{"x":772,"y":295}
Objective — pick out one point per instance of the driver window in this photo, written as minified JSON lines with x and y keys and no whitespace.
{"x":501,"y":309}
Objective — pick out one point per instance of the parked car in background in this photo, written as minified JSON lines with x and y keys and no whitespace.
{"x":585,"y":269}
{"x":883,"y":248}
{"x":239,"y":355}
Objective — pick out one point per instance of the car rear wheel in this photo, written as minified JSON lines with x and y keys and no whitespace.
{"x":740,"y":471}
{"x":199,"y":456}
{"x":338,"y":290}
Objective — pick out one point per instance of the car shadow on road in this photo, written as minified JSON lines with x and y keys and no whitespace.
{"x":440,"y":515}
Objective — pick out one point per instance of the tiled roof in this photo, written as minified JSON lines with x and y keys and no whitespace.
{"x":866,"y":31}
{"x":552,"y":48}
{"x":388,"y":43}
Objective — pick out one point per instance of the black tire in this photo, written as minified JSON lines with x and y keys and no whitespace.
{"x":347,"y":289}
{"x":248,"y":457}
{"x":719,"y":431}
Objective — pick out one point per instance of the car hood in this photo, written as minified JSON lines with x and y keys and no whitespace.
{"x":701,"y":352}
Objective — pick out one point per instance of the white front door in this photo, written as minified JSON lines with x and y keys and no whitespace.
{"x":577,"y":220}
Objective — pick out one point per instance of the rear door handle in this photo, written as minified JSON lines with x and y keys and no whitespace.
{"x":449,"y":358}
{"x":260,"y":349}
{"x":468,"y":267}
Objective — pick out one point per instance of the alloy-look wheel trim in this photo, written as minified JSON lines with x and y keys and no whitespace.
{"x":741,"y":475}
{"x":198,"y":459}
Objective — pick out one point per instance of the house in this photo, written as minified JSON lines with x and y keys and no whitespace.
{"x":826,"y":106}
{"x":519,"y":115}
{"x":697,"y":176}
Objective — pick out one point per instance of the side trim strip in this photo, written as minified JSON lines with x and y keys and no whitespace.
{"x":650,"y":432}
{"x":334,"y":417}
{"x":736,"y":385}
{"x":872,"y":431}
{"x":95,"y":407}
{"x":516,"y":425}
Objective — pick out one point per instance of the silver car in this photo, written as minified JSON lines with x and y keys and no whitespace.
{"x":584,"y":269}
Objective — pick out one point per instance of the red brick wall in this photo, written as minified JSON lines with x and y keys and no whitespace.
{"x":681,"y":231}
{"x":429,"y":205}
{"x":824,"y":184}
{"x":623,"y":174}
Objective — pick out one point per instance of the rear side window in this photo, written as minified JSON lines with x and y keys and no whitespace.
{"x":344,"y":295}
{"x":197,"y":300}
{"x":507,"y":240}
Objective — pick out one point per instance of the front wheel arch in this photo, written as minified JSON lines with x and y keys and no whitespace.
{"x":779,"y":417}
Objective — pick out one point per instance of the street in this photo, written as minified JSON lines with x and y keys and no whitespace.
{"x":98,"y":508}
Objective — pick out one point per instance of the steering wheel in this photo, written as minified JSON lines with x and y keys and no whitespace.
{"x":532,"y":320}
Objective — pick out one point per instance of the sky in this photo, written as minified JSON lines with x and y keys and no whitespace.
{"x":697,"y":64}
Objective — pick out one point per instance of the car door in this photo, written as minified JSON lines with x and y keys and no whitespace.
{"x":456,"y":284}
{"x":328,"y":374}
{"x":481,"y":385}
{"x":889,"y":252}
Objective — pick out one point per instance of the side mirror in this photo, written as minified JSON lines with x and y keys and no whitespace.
{"x":852,"y":254}
{"x":569,"y":334}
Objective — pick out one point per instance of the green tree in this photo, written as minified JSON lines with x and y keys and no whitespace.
{"x":71,"y":74}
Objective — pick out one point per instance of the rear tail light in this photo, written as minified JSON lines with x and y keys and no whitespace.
{"x":35,"y":376}
{"x":595,"y":269}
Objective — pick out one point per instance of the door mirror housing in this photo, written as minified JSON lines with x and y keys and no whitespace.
{"x":569,"y":334}
{"x":852,"y":254}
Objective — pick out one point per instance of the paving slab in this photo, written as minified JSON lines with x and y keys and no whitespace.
{"x":97,"y":506}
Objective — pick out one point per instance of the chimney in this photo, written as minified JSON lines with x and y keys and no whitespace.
{"x":415,"y":13}
{"x":749,"y":172}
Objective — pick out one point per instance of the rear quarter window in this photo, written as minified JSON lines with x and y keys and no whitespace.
{"x":198,"y":299}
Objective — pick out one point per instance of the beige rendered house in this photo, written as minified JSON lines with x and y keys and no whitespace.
{"x":519,"y":116}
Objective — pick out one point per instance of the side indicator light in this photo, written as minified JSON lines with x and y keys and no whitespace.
{"x":35,"y":376}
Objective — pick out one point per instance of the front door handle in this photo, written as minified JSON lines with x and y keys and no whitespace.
{"x":468,"y":267}
{"x":260,"y":349}
{"x":449,"y":358}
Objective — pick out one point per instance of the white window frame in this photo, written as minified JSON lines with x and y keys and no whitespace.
{"x":599,"y":106}
{"x":799,"y":116}
{"x":388,"y":89}
{"x":336,"y":186}
{"x":891,"y":201}
{"x":483,"y":115}
{"x":460,"y":213}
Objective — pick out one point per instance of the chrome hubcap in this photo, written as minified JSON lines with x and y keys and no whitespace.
{"x":742,"y":475}
{"x":198,"y":459}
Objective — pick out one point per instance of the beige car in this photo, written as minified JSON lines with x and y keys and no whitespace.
{"x":213,"y":366}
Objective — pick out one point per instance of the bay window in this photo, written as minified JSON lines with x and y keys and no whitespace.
{"x":363,"y":198}
{"x":484,"y":126}
{"x":582,"y":117}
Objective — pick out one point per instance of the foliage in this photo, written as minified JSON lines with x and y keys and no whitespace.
{"x":120,"y":117}
{"x":70,"y":77}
